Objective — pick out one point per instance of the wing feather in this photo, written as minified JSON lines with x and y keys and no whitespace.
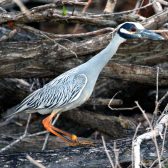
{"x":59,"y":92}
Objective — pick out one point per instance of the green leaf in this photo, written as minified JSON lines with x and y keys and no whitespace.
{"x":64,"y":11}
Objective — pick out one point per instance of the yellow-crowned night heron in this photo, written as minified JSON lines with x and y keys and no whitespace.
{"x":74,"y":87}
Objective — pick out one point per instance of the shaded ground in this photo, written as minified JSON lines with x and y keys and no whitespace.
{"x":73,"y":157}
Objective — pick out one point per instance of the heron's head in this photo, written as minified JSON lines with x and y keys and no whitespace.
{"x":131,"y":30}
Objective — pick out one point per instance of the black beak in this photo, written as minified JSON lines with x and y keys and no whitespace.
{"x":150,"y":35}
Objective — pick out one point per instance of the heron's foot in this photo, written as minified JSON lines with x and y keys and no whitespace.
{"x":70,"y":139}
{"x":61,"y":134}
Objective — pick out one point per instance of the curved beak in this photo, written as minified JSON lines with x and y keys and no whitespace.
{"x":149,"y":35}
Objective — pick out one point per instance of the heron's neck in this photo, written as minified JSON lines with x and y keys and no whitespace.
{"x":102,"y":58}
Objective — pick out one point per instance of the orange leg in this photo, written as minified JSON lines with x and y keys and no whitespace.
{"x":47,"y":124}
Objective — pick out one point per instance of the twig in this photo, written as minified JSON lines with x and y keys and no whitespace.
{"x":156,"y":99}
{"x":145,"y":135}
{"x":52,"y":35}
{"x":83,"y":11}
{"x":164,"y":137}
{"x":23,"y":8}
{"x":19,"y":139}
{"x":157,"y":7}
{"x":138,"y":4}
{"x":110,"y":102}
{"x":2,"y":10}
{"x":135,"y":134}
{"x":75,"y":3}
{"x":157,"y":130}
{"x":161,"y":100}
{"x":47,"y":135}
{"x":34,"y":162}
{"x":144,"y":114}
{"x":7,"y":121}
{"x":160,"y":31}
{"x":110,"y":6}
{"x":37,"y":133}
{"x":8,"y":36}
{"x":129,"y":11}
{"x":107,"y":152}
{"x":116,"y":154}
{"x":149,"y":135}
{"x":163,"y":2}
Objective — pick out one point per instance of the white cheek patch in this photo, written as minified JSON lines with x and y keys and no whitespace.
{"x":125,"y":31}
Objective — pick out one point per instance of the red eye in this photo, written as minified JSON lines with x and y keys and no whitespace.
{"x":133,"y":29}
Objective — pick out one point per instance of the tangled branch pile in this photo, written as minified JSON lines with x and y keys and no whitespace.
{"x":41,"y":39}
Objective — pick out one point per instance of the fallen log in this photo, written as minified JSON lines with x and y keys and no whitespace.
{"x":110,"y":125}
{"x":136,"y":73}
{"x":103,"y":102}
{"x":45,"y":58}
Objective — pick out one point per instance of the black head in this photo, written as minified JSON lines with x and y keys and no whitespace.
{"x":131,"y":30}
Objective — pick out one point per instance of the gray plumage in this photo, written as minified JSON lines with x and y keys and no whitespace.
{"x":59,"y":93}
{"x":74,"y":87}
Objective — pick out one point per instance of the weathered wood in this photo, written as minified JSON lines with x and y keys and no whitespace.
{"x":103,"y":102}
{"x":51,"y":14}
{"x":46,"y":58}
{"x":156,"y":21}
{"x":136,"y":73}
{"x":109,"y":125}
{"x":7,"y":3}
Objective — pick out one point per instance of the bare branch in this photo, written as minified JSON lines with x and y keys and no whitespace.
{"x":22,"y":8}
{"x":107,"y":152}
{"x":34,"y":162}
{"x":157,"y":7}
{"x":19,"y":139}
{"x":110,"y":6}
{"x":149,"y":135}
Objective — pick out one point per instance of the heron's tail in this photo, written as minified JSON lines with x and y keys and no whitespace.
{"x":7,"y":119}
{"x":13,"y":114}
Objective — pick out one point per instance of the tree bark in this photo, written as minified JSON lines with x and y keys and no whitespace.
{"x":109,"y":125}
{"x":46,"y":58}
